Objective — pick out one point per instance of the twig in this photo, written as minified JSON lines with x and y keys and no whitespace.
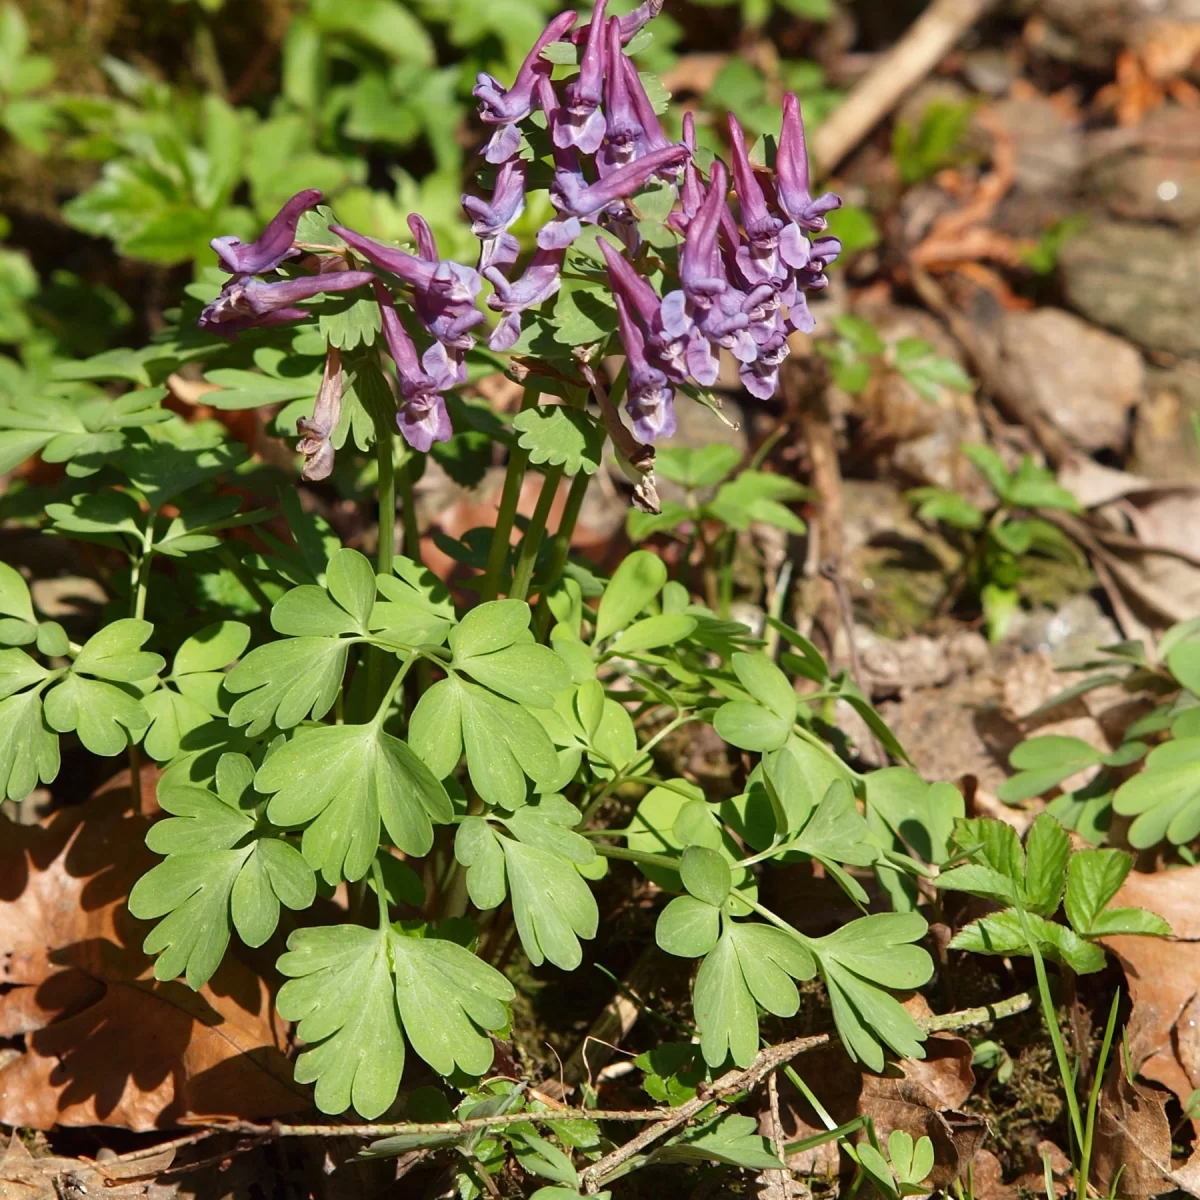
{"x":928,"y":39}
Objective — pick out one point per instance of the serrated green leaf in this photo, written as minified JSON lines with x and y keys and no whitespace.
{"x":1093,"y":879}
{"x":561,"y":436}
{"x":342,"y":782}
{"x":1003,"y":933}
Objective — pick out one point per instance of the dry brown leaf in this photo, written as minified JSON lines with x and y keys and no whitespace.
{"x":26,"y":1177}
{"x":1132,"y":1133}
{"x":105,"y":1044}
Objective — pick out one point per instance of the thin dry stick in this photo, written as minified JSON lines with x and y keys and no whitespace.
{"x":928,"y":39}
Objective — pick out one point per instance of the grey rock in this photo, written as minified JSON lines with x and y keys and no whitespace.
{"x":1164,"y":440}
{"x":1139,"y":280}
{"x":1151,"y":172}
{"x":1084,"y":380}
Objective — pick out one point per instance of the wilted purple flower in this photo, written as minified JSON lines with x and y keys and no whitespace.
{"x":791,"y":174}
{"x":539,"y":281}
{"x":317,"y":431}
{"x":631,"y":23}
{"x":506,"y":106}
{"x":443,"y":291}
{"x":490,"y":221}
{"x":422,"y":418}
{"x":274,"y":243}
{"x":650,"y":397}
{"x":247,"y":303}
{"x":584,"y":122}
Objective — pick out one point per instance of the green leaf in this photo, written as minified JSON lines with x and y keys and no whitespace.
{"x":492,"y":644}
{"x":1043,"y":763}
{"x":562,"y":437}
{"x":28,"y":747}
{"x":417,"y":611}
{"x":650,"y":633}
{"x":1164,"y":798}
{"x":688,"y":927}
{"x":1002,"y":933}
{"x":750,"y":963}
{"x":503,"y":742}
{"x":858,"y":962}
{"x":105,"y":717}
{"x":287,"y":681}
{"x":697,"y":468}
{"x":1093,"y":879}
{"x":14,"y":595}
{"x":634,"y":584}
{"x":733,"y":1139}
{"x":18,"y":671}
{"x":951,"y":508}
{"x":991,"y":467}
{"x":1047,"y":849}
{"x":922,"y":815}
{"x":350,"y":579}
{"x":209,"y":884}
{"x":346,"y":780}
{"x":766,"y":683}
{"x":353,"y":990}
{"x":114,"y":653}
{"x":758,"y":496}
{"x":706,"y":875}
{"x":212,"y":648}
{"x":1035,"y":487}
{"x":1184,"y":661}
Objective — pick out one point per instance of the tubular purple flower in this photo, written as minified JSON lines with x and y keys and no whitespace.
{"x":624,"y":130}
{"x":539,"y":281}
{"x":499,"y":105}
{"x":247,"y":303}
{"x":700,"y":269}
{"x":760,"y":260}
{"x":490,"y":221}
{"x":587,"y":200}
{"x":631,"y":23}
{"x":584,"y":123}
{"x":651,"y":399}
{"x":653,"y":137}
{"x":273,"y":245}
{"x":443,"y":291}
{"x":668,"y":348}
{"x":316,"y":431}
{"x":692,"y":194}
{"x":791,"y":174}
{"x":422,"y":418}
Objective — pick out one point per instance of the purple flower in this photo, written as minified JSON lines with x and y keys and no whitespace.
{"x":633,"y":128}
{"x":791,"y":174}
{"x":505,"y":106}
{"x":274,"y":244}
{"x":642,"y":300}
{"x":317,"y":431}
{"x":584,"y":123}
{"x":692,"y":194}
{"x":247,"y":303}
{"x":422,"y":418}
{"x":651,"y":399}
{"x":443,"y":291}
{"x":581,"y":200}
{"x":631,"y":23}
{"x":760,"y":260}
{"x":490,"y":221}
{"x":760,"y":376}
{"x":700,"y":269}
{"x":537,"y":284}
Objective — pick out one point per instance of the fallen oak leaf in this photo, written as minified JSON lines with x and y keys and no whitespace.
{"x":105,"y":1044}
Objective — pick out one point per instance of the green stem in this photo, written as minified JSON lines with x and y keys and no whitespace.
{"x":393,"y":687}
{"x":377,"y":876}
{"x":378,"y":660}
{"x":560,"y":549}
{"x":408,"y":510}
{"x":531,"y":543}
{"x":141,"y":583}
{"x":1085,"y":1158}
{"x":514,"y":477}
{"x":1048,"y":1011}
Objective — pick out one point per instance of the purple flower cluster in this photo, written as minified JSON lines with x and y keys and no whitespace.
{"x":740,"y":289}
{"x":742,"y":280}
